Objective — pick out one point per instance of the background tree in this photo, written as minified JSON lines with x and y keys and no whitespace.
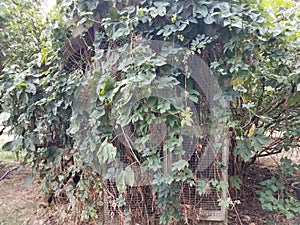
{"x":20,"y":27}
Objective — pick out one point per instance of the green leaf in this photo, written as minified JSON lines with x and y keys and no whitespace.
{"x":160,"y":8}
{"x":106,"y":152}
{"x":4,"y":116}
{"x":186,"y":117}
{"x":202,"y":10}
{"x":223,"y":185}
{"x":30,"y":88}
{"x":219,"y":185}
{"x":209,"y":19}
{"x":166,"y":81}
{"x":180,"y":165}
{"x":225,"y":9}
{"x":226,"y":22}
{"x":113,"y":13}
{"x":121,"y":185}
{"x":125,"y":178}
{"x":160,"y":4}
{"x":54,"y":154}
{"x":74,"y":128}
{"x":236,"y":182}
{"x":257,"y":146}
{"x":8,"y":146}
{"x":237,"y":24}
{"x":225,"y":202}
{"x":263,"y":139}
{"x":121,"y":32}
{"x":129,"y":176}
{"x":201,"y":187}
{"x":99,"y":54}
{"x":244,"y":149}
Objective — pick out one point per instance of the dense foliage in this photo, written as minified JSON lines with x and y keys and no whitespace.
{"x":20,"y":29}
{"x":251,"y":49}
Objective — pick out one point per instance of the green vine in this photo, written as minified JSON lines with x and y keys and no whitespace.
{"x":75,"y":93}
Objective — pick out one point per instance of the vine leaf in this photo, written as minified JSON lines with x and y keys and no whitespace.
{"x":4,"y":116}
{"x":180,"y":165}
{"x":126,"y":178}
{"x":187,"y":117}
{"x":106,"y":152}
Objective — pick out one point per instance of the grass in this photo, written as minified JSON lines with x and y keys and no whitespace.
{"x":7,"y":156}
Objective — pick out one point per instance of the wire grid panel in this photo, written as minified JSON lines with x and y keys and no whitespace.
{"x":140,"y":200}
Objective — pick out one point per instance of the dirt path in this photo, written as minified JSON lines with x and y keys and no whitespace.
{"x":18,"y":203}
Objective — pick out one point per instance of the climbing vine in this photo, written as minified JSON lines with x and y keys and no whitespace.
{"x":72,"y":103}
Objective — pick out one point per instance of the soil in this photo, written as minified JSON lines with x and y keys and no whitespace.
{"x":18,"y":203}
{"x":26,"y":205}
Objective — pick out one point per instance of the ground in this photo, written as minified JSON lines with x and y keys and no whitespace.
{"x":18,"y":204}
{"x":249,"y":212}
{"x":25,"y":205}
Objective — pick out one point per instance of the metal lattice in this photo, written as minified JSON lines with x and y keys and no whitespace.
{"x":198,"y":209}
